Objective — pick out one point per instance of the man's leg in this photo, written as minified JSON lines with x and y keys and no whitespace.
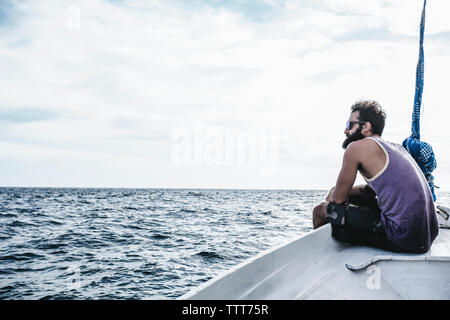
{"x":365,"y":198}
{"x":361,"y":226}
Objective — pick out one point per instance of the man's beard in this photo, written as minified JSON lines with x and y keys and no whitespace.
{"x":357,"y":135}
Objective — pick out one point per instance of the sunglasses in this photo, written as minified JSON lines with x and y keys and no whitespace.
{"x":351,"y":123}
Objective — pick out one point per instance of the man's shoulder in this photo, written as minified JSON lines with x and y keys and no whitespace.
{"x":363,"y":148}
{"x":361,"y":144}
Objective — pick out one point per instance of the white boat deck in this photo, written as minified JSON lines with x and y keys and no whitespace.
{"x":315,"y":266}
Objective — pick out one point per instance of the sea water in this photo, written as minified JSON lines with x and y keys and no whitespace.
{"x":137,"y":243}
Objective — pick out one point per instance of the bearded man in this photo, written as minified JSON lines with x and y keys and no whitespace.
{"x":395,"y":210}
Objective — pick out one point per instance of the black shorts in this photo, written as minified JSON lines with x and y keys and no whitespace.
{"x":359,"y":225}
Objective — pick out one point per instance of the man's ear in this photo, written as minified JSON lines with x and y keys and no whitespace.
{"x":367,"y":128}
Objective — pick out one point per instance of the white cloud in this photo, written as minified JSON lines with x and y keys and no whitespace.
{"x":133,"y":72}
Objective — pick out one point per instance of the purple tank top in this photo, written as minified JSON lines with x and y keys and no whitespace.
{"x":404,"y":197}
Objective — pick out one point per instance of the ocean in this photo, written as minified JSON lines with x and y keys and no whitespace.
{"x":61,"y":243}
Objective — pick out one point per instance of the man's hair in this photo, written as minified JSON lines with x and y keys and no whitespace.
{"x":371,"y":111}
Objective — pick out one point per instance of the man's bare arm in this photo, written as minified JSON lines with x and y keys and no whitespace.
{"x":347,"y":175}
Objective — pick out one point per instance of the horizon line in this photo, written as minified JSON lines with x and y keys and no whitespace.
{"x":173,"y":188}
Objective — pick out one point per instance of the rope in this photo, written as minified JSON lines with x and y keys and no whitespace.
{"x":421,"y":151}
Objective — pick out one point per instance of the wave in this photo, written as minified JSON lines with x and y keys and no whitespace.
{"x":54,"y":222}
{"x":210,"y":255}
{"x":159,"y":236}
{"x":26,"y":210}
{"x":131,"y":208}
{"x":8,"y":215}
{"x":195,"y":194}
{"x":51,"y":246}
{"x":21,"y":257}
{"x":18,"y":223}
{"x":188,"y":210}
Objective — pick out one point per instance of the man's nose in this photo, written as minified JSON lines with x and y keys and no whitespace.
{"x":346,"y":131}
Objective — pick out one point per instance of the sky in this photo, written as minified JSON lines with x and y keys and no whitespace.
{"x":209,"y":94}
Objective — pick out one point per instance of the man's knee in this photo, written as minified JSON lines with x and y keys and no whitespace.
{"x":320,"y":215}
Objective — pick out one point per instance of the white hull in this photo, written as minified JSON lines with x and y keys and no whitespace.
{"x":315,"y":266}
